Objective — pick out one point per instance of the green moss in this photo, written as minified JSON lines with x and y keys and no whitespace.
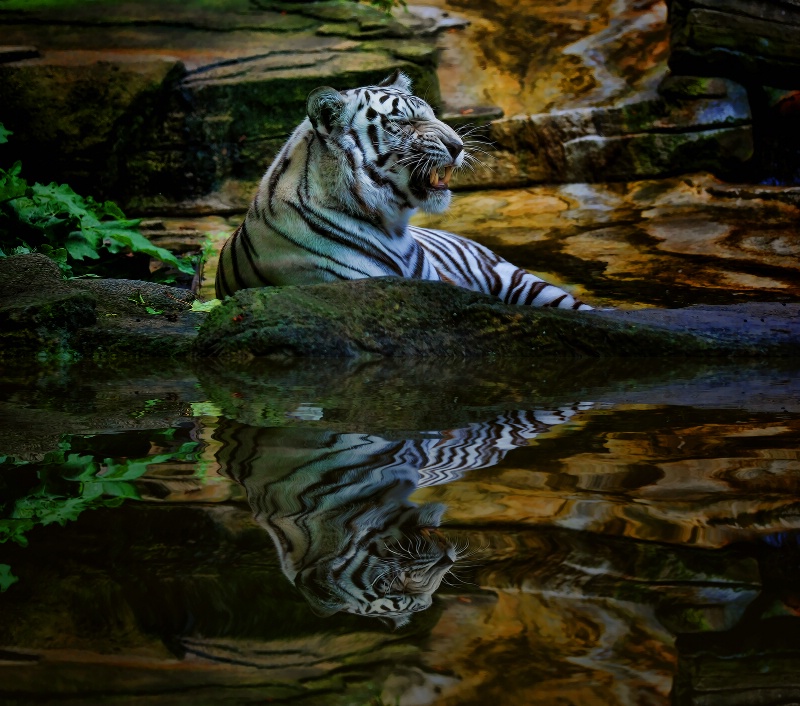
{"x":418,"y":51}
{"x":338,"y":29}
{"x":395,"y":318}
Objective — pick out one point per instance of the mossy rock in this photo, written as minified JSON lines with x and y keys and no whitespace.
{"x":46,"y":319}
{"x":392,"y":317}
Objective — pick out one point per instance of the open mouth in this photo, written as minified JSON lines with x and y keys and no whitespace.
{"x":438,"y":179}
{"x":440,"y":182}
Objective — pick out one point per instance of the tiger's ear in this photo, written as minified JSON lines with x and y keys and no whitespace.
{"x":325,"y":106}
{"x":397,"y":80}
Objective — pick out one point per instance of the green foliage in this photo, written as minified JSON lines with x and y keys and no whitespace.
{"x":197,"y":305}
{"x":69,"y":483}
{"x":71,"y":229}
{"x":387,"y":5}
{"x":141,"y":302}
{"x":7,"y":579}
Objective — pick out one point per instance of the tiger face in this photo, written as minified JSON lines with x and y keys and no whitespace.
{"x":389,"y":576}
{"x":391,"y":142}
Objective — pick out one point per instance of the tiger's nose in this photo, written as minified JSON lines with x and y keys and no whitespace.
{"x":454,"y":148}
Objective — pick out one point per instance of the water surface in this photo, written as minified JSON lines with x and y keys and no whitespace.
{"x":609,"y":532}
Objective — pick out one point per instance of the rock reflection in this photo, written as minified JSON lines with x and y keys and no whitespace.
{"x":337,"y":506}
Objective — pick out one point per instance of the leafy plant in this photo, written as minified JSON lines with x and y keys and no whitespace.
{"x":69,"y":483}
{"x":149,"y":406}
{"x":7,"y":579}
{"x":79,"y":233}
{"x":197,"y":305}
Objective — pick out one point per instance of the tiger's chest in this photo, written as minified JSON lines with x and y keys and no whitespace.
{"x":305,"y":248}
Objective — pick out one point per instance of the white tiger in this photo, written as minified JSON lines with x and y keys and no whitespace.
{"x":336,"y":203}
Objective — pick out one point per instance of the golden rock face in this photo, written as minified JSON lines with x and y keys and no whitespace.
{"x":552,"y":56}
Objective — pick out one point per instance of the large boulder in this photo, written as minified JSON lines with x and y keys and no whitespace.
{"x":392,"y":317}
{"x":45,"y":318}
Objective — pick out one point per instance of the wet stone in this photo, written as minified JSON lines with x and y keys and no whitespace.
{"x":398,"y":317}
{"x":8,"y":53}
{"x":668,"y":242}
{"x":695,"y":130}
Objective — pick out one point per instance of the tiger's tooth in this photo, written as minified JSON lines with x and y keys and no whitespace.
{"x":448,"y":172}
{"x":434,"y":177}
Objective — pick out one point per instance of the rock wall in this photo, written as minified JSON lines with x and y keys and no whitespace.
{"x":693,"y":124}
{"x":154,"y":105}
{"x":168,"y":107}
{"x":754,"y":41}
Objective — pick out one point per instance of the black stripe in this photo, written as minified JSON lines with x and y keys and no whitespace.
{"x":304,"y":246}
{"x":250,"y":254}
{"x":458,"y":266}
{"x":381,"y":180}
{"x":336,"y":274}
{"x":357,"y":139}
{"x":241,"y":467}
{"x":420,"y":264}
{"x":557,"y":301}
{"x":307,"y":164}
{"x":515,"y":287}
{"x":372,"y":133}
{"x":278,"y":170}
{"x":492,"y":282}
{"x":535,"y":291}
{"x":220,"y":284}
{"x":333,"y":237}
{"x":237,"y":276}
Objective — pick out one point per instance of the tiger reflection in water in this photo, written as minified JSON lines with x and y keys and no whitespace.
{"x":337,"y":505}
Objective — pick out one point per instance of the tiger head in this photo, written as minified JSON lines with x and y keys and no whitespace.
{"x":389,"y":574}
{"x":388,"y":151}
